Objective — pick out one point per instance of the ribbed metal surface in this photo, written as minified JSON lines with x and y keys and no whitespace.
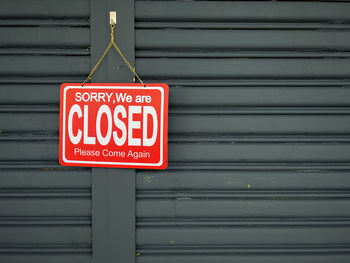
{"x":259,"y":129}
{"x":45,"y":210}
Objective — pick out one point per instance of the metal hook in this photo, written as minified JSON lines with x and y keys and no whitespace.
{"x":112,"y":17}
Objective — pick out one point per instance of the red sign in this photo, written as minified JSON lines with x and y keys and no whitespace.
{"x":114,"y":125}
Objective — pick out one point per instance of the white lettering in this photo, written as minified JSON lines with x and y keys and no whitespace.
{"x":75,"y":109}
{"x":123,"y":97}
{"x":109,"y":96}
{"x":120,"y":124}
{"x":133,"y":125}
{"x":104,"y":109}
{"x":78,"y":96}
{"x":149,"y":110}
{"x":87,"y":139}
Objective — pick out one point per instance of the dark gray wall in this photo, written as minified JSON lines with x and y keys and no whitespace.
{"x":45,"y":209}
{"x":259,"y":126}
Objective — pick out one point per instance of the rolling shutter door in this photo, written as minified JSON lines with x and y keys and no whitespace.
{"x":259,"y":132}
{"x":45,"y":209}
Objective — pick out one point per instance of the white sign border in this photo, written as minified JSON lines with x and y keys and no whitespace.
{"x":113,"y":163}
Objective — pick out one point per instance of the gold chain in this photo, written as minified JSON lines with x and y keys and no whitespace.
{"x":112,"y":43}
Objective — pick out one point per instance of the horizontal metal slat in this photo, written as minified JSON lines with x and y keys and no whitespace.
{"x":203,"y":178}
{"x":218,"y":53}
{"x":77,"y":253}
{"x":49,"y":249}
{"x":41,"y":79}
{"x":44,"y":206}
{"x":40,"y":151}
{"x":45,"y":178}
{"x":26,"y":122}
{"x":243,"y":235}
{"x":44,"y":65}
{"x":238,"y":222}
{"x":260,"y":82}
{"x":245,"y":194}
{"x":275,"y":206}
{"x":45,"y":37}
{"x":259,"y":124}
{"x":242,"y":68}
{"x":259,"y":152}
{"x":59,"y":257}
{"x":187,"y":256}
{"x":238,"y":249}
{"x":47,"y":9}
{"x":239,"y":166}
{"x":204,"y":40}
{"x":204,"y":152}
{"x":240,"y":11}
{"x":266,"y":95}
{"x":37,"y":234}
{"x":45,"y":51}
{"x":249,"y":254}
{"x":80,"y":22}
{"x":30,"y":93}
{"x":218,"y":24}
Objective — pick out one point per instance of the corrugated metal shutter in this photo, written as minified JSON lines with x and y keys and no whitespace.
{"x":259,"y":132}
{"x":45,"y":210}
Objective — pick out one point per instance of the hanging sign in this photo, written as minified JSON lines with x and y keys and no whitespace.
{"x":114,"y":125}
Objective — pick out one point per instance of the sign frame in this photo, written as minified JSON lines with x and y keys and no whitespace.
{"x":163,"y":120}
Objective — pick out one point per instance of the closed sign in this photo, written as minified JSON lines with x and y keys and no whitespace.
{"x":114,"y":125}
